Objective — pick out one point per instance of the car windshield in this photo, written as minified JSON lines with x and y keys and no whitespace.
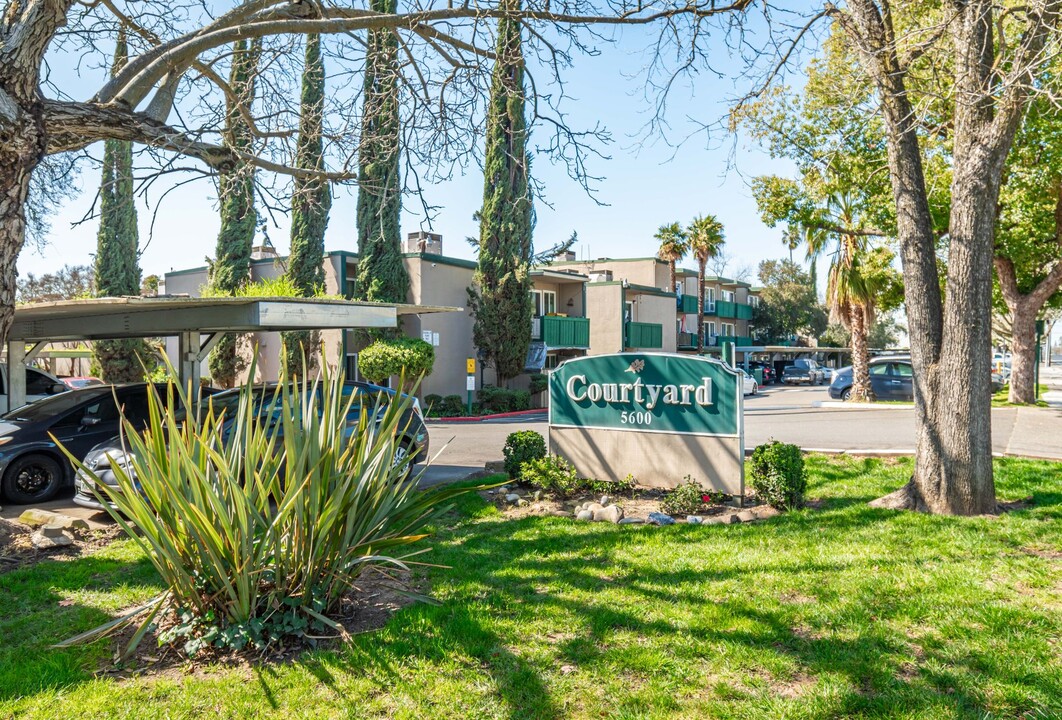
{"x":56,"y":405}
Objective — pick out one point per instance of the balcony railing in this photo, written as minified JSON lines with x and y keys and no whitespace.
{"x":561,"y":332}
{"x":687,"y":303}
{"x":739,"y":340}
{"x":744,"y":312}
{"x":648,"y":336}
{"x":687,"y":340}
{"x":726,"y":309}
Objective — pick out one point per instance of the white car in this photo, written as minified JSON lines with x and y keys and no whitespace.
{"x":750,"y":387}
{"x":39,"y":385}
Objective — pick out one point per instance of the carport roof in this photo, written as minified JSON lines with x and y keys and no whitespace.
{"x":125,"y":317}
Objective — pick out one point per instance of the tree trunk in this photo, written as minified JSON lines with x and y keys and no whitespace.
{"x":700,"y":307}
{"x":862,"y":391}
{"x":1023,"y":353}
{"x":21,"y":149}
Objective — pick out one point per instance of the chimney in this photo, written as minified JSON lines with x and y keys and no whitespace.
{"x":423,"y":242}
{"x":263,"y":252}
{"x":566,"y":256}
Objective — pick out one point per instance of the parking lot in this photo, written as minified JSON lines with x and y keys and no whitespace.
{"x":801,"y":415}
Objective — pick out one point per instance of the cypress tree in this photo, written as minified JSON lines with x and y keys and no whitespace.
{"x":310,"y":203}
{"x":502,"y":306}
{"x":117,"y":271}
{"x":381,"y":274}
{"x":231,"y":266}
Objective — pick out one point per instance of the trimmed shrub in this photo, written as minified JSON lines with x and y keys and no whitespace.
{"x":408,"y":357}
{"x":433,"y":404}
{"x":551,"y":473}
{"x":539,"y":382}
{"x":453,"y":406}
{"x":521,"y":447}
{"x":776,"y":475}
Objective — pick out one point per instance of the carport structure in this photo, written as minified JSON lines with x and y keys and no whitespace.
{"x":197,"y":323}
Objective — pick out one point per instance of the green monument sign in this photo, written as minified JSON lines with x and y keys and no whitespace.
{"x":657,"y":416}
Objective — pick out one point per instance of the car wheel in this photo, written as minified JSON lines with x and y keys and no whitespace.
{"x":401,"y":453}
{"x":31,"y":479}
{"x":847,"y":394}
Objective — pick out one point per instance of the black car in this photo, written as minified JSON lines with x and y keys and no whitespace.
{"x":890,"y":379}
{"x":32,"y":467}
{"x":413,"y":441}
{"x":803,"y":371}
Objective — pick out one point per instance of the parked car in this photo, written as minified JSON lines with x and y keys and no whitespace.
{"x":749,"y":385}
{"x":32,"y":467}
{"x":39,"y":385}
{"x":827,"y":373}
{"x":891,"y":378}
{"x":767,"y":370}
{"x":104,"y":456}
{"x":803,"y":370}
{"x":76,"y":383}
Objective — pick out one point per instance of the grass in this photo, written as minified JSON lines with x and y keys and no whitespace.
{"x":845,"y":611}
{"x":1001,"y":398}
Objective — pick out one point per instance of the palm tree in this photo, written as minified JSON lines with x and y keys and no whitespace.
{"x":851,"y":291}
{"x":673,"y":247}
{"x":705,"y":240}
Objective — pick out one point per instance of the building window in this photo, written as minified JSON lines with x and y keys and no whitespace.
{"x":709,"y":299}
{"x":552,"y":361}
{"x":754,"y":301}
{"x":728,"y":295}
{"x":545,"y":302}
{"x":628,"y":311}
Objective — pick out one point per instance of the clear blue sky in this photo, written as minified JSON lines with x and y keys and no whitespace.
{"x":644,"y":185}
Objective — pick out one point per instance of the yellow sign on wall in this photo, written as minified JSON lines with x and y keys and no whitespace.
{"x":470,"y":366}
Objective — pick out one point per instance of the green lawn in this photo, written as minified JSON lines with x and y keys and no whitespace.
{"x":844,"y":611}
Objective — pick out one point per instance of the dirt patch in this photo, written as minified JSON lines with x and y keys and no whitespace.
{"x":366,"y":608}
{"x":1012,"y":505}
{"x":17,"y":551}
{"x":1046,"y":553}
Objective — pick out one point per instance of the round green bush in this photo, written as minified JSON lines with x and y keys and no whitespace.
{"x":385,"y":358}
{"x":521,"y":447}
{"x":776,"y":475}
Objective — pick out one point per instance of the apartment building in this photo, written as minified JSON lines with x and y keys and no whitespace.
{"x":655,"y":316}
{"x":559,"y":329}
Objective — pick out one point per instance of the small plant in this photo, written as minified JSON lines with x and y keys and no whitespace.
{"x":551,"y":473}
{"x":521,"y":447}
{"x":689,"y":498}
{"x":625,"y":486}
{"x":776,"y":475}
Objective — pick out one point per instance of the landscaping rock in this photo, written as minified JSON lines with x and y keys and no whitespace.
{"x":694,"y":520}
{"x":586,"y":515}
{"x":767,"y":512}
{"x":520,"y":502}
{"x":612,"y":514}
{"x":632,"y":521}
{"x":512,"y":497}
{"x":594,"y":507}
{"x":538,"y":495}
{"x":605,"y":500}
{"x":713,"y":520}
{"x":656,"y":518}
{"x":34,"y":517}
{"x":44,"y":541}
{"x":559,"y":513}
{"x":728,"y":519}
{"x":746,"y":516}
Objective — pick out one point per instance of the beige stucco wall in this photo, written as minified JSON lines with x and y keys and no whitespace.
{"x":654,"y":459}
{"x":641,"y":271}
{"x":604,"y":307}
{"x":438,"y":283}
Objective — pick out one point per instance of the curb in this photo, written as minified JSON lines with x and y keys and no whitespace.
{"x":481,"y":418}
{"x":860,"y":405}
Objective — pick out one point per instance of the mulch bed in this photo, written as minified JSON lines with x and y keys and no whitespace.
{"x":17,"y":551}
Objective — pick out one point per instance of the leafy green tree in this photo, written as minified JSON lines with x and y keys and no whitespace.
{"x":705,"y":238}
{"x":310,"y":205}
{"x":117,"y":270}
{"x":411,"y":358}
{"x":231,"y":266}
{"x":382,"y":276}
{"x":1028,"y":247}
{"x":674,"y":245}
{"x":502,"y":304}
{"x":788,"y":307}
